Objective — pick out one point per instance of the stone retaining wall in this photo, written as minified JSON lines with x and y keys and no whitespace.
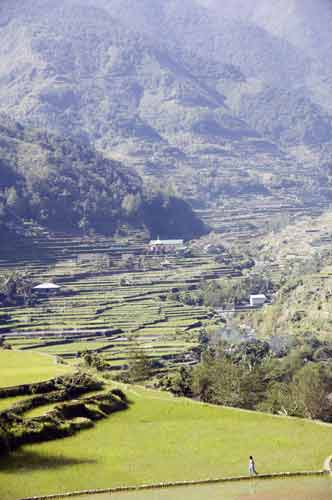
{"x":123,"y":489}
{"x":47,"y":386}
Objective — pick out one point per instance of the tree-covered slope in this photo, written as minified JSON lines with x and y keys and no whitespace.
{"x":68,"y":186}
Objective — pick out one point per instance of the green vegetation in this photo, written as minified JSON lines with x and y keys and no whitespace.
{"x":301,"y":277}
{"x":139,"y":365}
{"x":106,"y":313}
{"x":18,"y":368}
{"x":163,"y":439}
{"x":227,"y":292}
{"x":62,"y":420}
{"x":68,"y":186}
{"x":241,"y":133}
{"x":302,"y":305}
{"x":286,"y":377}
{"x":15,"y":289}
{"x":114,"y":296}
{"x":66,"y":412}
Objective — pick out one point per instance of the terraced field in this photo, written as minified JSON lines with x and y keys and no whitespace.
{"x":163,"y":439}
{"x":26,"y":368}
{"x":113,"y":294}
{"x":251,"y":219}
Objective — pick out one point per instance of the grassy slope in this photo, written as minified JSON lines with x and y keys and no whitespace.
{"x":162,"y":439}
{"x":26,"y":367}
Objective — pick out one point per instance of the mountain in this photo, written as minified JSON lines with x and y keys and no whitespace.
{"x":221,"y":99}
{"x":303,"y":24}
{"x":65,"y":186}
{"x":244,"y":34}
{"x":85,"y":73}
{"x":82,"y":72}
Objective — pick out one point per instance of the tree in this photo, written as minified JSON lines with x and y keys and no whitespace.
{"x":181,"y":384}
{"x":251,"y":353}
{"x":139,"y":365}
{"x":219,"y":379}
{"x":279,"y":399}
{"x":94,"y":360}
{"x":203,"y":383}
{"x":15,"y":288}
{"x":311,"y":387}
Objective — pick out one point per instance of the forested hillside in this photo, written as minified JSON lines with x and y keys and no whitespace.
{"x":68,"y":186}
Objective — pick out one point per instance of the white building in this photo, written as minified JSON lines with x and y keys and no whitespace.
{"x":47,"y":288}
{"x":257,"y":300}
{"x":166,"y":246}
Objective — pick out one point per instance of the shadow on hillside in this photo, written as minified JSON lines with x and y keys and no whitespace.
{"x":27,"y":461}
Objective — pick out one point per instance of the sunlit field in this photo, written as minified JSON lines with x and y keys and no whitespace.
{"x":164,"y":439}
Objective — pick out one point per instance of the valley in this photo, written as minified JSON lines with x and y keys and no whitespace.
{"x":165,"y":247}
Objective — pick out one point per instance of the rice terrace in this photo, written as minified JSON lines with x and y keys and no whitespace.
{"x":160,"y":439}
{"x":165,"y":250}
{"x":152,"y":437}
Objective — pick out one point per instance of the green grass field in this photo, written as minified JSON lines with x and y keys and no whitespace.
{"x":18,"y":368}
{"x":164,"y":439}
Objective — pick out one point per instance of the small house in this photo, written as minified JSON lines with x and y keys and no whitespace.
{"x":257,"y":300}
{"x":166,"y":246}
{"x":47,"y":289}
{"x":211,"y":249}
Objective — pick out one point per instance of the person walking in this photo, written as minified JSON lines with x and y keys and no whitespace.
{"x":252,"y":467}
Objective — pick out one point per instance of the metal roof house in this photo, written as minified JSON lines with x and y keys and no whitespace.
{"x":257,"y":300}
{"x":47,"y":288}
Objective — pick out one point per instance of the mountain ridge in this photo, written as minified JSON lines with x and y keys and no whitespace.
{"x":177,"y":90}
